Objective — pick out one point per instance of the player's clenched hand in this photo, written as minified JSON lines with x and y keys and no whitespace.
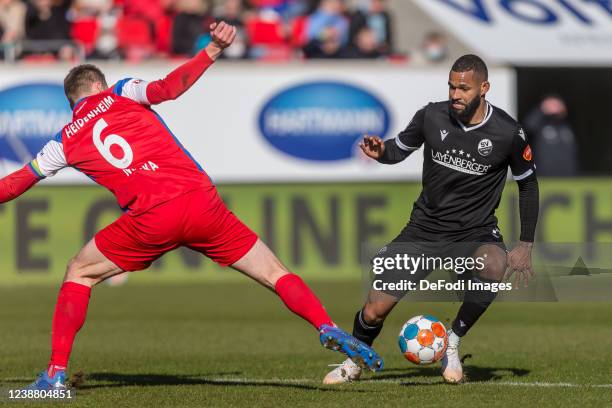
{"x":519,"y":264}
{"x":222,"y":34}
{"x":373,"y":146}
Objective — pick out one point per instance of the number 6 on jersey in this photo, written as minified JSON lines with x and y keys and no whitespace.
{"x":104,"y":147}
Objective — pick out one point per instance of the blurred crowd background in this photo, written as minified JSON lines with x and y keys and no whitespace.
{"x":268,"y":29}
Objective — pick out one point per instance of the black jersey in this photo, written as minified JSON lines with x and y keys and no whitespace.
{"x":465,"y":167}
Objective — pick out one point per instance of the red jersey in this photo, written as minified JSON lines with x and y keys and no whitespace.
{"x":117,"y":140}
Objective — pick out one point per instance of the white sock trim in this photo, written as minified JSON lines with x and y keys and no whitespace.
{"x":363,"y":323}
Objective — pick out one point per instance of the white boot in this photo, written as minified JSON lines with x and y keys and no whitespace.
{"x":451,"y":364}
{"x":344,"y":373}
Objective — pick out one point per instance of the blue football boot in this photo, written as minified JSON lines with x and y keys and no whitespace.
{"x":360,"y":353}
{"x":44,"y":382}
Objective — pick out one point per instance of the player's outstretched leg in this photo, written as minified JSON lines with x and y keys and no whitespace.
{"x":262,"y":265}
{"x":367,"y":326}
{"x":84,"y":271}
{"x":475,"y":303}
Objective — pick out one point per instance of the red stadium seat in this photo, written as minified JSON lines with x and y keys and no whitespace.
{"x":299,"y":27}
{"x":163,"y":34}
{"x":134,"y":37}
{"x":39,"y":59}
{"x":267,"y":39}
{"x":265,"y":32}
{"x":266,"y":3}
{"x":133,"y":31}
{"x":85,"y":32}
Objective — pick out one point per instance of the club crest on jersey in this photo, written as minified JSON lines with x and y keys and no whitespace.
{"x":527,"y":155}
{"x":485,"y":147}
{"x":444,"y":133}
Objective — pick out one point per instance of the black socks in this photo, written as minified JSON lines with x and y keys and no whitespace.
{"x":475,"y":303}
{"x":364,"y":331}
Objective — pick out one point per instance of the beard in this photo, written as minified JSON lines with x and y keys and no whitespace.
{"x":468,"y":111}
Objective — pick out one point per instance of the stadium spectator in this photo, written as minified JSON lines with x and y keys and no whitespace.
{"x":48,"y":30}
{"x":233,"y":12}
{"x":327,"y":31}
{"x":190,"y":29}
{"x":46,"y":20}
{"x":12,"y":20}
{"x":365,"y":45}
{"x":328,"y":46}
{"x":552,"y":138}
{"x":94,"y":27}
{"x":374,"y":15}
{"x":433,"y":49}
{"x":137,"y":29}
{"x":106,"y":42}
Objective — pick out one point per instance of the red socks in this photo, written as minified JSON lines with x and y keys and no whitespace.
{"x":70,"y":312}
{"x":73,"y":299}
{"x":301,"y":300}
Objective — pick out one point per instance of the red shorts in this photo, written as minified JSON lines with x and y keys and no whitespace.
{"x":198,"y":220}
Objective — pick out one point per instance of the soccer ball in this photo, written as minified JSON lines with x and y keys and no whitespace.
{"x":423,"y":340}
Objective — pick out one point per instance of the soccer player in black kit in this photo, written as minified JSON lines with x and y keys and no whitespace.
{"x":468,"y":145}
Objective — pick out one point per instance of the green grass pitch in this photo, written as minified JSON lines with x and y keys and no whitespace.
{"x":234,"y":344}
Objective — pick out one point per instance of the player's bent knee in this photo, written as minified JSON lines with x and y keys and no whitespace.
{"x":81,"y":273}
{"x":494,"y":268}
{"x":262,"y":265}
{"x":493,"y":259}
{"x":73,"y":271}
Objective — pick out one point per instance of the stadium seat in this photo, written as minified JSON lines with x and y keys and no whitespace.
{"x":265,"y":32}
{"x":163,"y":34}
{"x":134,"y":37}
{"x":267,"y":39}
{"x":85,"y":32}
{"x":266,"y":3}
{"x":39,"y":59}
{"x":298,"y":32}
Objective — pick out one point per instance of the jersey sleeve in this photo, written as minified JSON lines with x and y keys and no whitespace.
{"x":134,"y":89}
{"x":412,"y":138}
{"x":521,"y":158}
{"x":17,"y":183}
{"x":50,"y":159}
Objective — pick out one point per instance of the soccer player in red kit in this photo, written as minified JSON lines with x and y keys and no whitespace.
{"x":116,"y":139}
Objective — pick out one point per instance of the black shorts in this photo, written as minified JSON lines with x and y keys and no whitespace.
{"x":418,"y":253}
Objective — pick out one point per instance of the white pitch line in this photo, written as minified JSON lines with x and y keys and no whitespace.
{"x":540,"y":384}
{"x":501,"y":383}
{"x":399,"y":381}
